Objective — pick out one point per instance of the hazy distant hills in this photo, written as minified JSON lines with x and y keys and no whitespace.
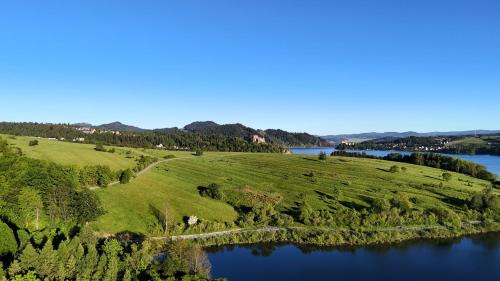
{"x":374,"y":135}
{"x":229,"y":130}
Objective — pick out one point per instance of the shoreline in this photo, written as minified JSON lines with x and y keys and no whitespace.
{"x":332,"y":237}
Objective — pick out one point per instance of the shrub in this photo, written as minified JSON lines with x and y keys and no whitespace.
{"x":100,"y":147}
{"x":404,"y":169}
{"x":394,"y":169}
{"x":198,"y":152}
{"x":170,"y":156}
{"x":112,"y":150}
{"x":126,"y":176}
{"x":485,"y":200}
{"x":447,"y":176}
{"x":401,"y":201}
{"x":33,"y":142}
{"x":380,"y":205}
{"x":212,"y":190}
{"x":322,"y":155}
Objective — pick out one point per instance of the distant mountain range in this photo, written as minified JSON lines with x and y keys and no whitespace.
{"x":229,"y":130}
{"x":373,"y":135}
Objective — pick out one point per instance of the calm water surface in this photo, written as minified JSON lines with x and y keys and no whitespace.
{"x":489,"y":161}
{"x":472,"y":258}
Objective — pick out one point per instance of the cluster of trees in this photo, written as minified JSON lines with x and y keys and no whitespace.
{"x":98,"y":175}
{"x":52,"y":255}
{"x":125,"y":176}
{"x":263,"y":215}
{"x":485,"y":200}
{"x":345,"y":153}
{"x":146,"y":139}
{"x":143,"y":162}
{"x":444,"y":162}
{"x":397,"y":211}
{"x":434,"y":160}
{"x":34,"y":193}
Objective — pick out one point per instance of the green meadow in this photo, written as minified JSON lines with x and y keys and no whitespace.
{"x":282,"y":179}
{"x":247,"y":179}
{"x":70,"y":153}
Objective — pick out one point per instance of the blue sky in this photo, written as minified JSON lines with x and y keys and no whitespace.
{"x":318,"y":66}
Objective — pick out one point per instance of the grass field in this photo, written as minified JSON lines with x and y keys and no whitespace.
{"x":248,"y":177}
{"x":69,"y":153}
{"x":468,"y":141}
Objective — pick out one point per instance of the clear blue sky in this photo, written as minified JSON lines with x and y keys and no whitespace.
{"x":318,"y":66}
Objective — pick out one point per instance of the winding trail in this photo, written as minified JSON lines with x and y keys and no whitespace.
{"x":141,"y":172}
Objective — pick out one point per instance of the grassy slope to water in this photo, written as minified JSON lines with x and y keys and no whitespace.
{"x":247,"y":177}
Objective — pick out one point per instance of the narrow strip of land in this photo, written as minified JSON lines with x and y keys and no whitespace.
{"x":275,"y":229}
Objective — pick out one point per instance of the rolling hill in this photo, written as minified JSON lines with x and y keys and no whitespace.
{"x":373,"y":135}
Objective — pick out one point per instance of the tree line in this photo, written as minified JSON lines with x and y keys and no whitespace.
{"x":179,"y":140}
{"x":433,"y":160}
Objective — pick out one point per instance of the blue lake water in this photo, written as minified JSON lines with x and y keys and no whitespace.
{"x":472,"y":258}
{"x":492,"y":163}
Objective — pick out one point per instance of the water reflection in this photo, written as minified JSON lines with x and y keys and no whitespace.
{"x":475,"y":257}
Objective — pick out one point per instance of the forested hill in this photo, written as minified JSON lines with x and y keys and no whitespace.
{"x":472,"y":144}
{"x":117,"y":126}
{"x":271,"y":135}
{"x":180,"y":140}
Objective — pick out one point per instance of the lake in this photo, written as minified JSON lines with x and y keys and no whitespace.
{"x":470,"y":258}
{"x":492,"y":163}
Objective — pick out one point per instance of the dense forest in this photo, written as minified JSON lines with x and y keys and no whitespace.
{"x":271,"y":135}
{"x":179,"y":140}
{"x":431,"y":160}
{"x":487,"y":144}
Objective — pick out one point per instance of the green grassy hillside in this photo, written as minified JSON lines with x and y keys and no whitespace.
{"x":252,"y":180}
{"x":69,"y":153}
{"x":248,"y":179}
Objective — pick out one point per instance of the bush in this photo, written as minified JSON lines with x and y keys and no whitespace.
{"x":485,"y":200}
{"x":112,"y":150}
{"x":170,"y":156}
{"x":394,"y":169}
{"x":380,"y":205}
{"x":100,"y":147}
{"x":8,"y":244}
{"x":401,"y":201}
{"x":198,"y":152}
{"x":126,"y":176}
{"x":33,"y":142}
{"x":447,"y":176}
{"x":212,"y":190}
{"x":322,"y":155}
